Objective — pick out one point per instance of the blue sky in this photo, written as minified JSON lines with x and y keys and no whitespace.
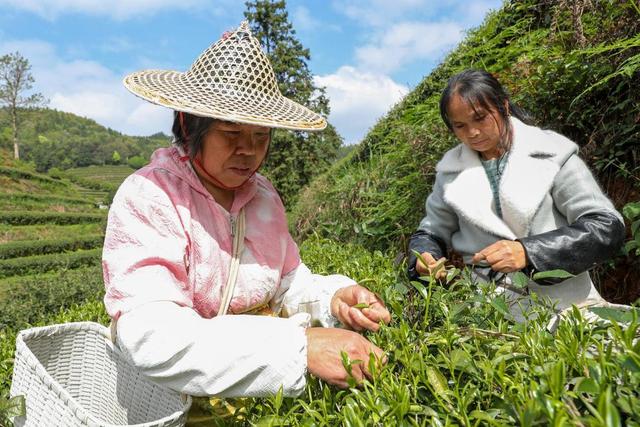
{"x":367,"y":53}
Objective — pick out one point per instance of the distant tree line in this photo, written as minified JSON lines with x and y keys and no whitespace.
{"x":51,"y":138}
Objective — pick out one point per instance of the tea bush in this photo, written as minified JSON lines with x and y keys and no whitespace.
{"x":27,"y":300}
{"x":16,"y":173}
{"x":43,"y":198}
{"x":10,"y":233}
{"x":454,"y":357}
{"x":29,"y":218}
{"x":41,"y":263}
{"x":39,"y":247}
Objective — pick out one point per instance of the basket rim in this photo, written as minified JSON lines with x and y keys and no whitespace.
{"x":78,"y":410}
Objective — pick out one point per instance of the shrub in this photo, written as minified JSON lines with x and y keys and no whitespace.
{"x":23,"y":174}
{"x":39,"y":295}
{"x":44,"y":198}
{"x":39,"y":247}
{"x":42,"y":263}
{"x":137,"y":162}
{"x":454,"y":357}
{"x":29,"y":218}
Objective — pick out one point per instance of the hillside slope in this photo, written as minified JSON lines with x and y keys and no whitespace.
{"x":51,"y":138}
{"x":576,"y":73}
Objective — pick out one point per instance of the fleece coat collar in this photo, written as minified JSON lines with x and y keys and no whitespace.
{"x":535,"y":159}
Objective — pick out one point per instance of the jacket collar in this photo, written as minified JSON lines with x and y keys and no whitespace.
{"x":535,"y":159}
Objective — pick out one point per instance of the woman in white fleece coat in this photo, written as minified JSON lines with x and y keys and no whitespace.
{"x":174,"y":237}
{"x":513,"y":197}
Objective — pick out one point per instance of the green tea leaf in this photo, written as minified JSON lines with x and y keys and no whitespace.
{"x":587,"y":385}
{"x":552,"y":274}
{"x":499,"y":304}
{"x":519,"y":280}
{"x":438,"y":382}
{"x":613,"y":314}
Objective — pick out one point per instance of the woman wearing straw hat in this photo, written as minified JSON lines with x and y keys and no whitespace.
{"x":198,"y":234}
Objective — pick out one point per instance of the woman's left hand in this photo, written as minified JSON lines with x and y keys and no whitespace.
{"x":358,"y":308}
{"x":505,"y":256}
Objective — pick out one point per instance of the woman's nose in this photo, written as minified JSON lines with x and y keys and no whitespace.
{"x":473,"y":132}
{"x":246,"y":145}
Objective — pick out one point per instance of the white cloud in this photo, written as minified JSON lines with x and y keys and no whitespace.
{"x":118,"y":9}
{"x":408,"y":42}
{"x":88,"y":89}
{"x":379,"y":12}
{"x":358,"y":99}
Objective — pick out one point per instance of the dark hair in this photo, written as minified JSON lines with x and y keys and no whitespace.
{"x":478,"y":87}
{"x":195,"y":128}
{"x":190,"y":137}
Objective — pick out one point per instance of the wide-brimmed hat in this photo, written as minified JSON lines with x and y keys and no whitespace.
{"x":232,"y":80}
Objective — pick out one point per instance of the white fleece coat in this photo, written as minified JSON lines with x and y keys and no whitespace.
{"x":544,"y":186}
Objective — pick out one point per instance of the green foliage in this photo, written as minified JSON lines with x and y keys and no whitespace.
{"x":455,"y":357}
{"x":16,"y":173}
{"x":39,"y":247}
{"x":136,"y":162}
{"x":51,"y":138}
{"x":43,"y":198}
{"x":115,"y":158}
{"x":45,"y":203}
{"x":29,"y":218}
{"x":42,"y":263}
{"x":632,"y":212}
{"x":15,"y":81}
{"x":9,"y":233}
{"x":39,"y":295}
{"x":294,"y":157}
{"x":101,"y":178}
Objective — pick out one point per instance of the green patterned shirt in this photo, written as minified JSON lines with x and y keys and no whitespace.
{"x":494,"y":169}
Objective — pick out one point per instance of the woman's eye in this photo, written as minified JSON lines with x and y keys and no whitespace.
{"x":480,"y":118}
{"x":262,"y":136}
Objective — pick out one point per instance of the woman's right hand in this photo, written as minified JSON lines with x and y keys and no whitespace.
{"x":324,"y":359}
{"x":432,"y":266}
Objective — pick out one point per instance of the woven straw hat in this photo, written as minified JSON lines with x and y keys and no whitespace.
{"x":231,"y":80}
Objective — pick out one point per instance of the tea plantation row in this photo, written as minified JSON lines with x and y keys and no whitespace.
{"x":454,"y":356}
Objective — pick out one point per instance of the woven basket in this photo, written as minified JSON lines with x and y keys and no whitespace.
{"x":72,"y":375}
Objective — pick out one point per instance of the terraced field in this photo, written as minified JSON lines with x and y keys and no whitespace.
{"x":51,"y":236}
{"x":110,"y":174}
{"x":50,"y":244}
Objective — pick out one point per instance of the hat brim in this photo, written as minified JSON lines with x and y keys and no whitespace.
{"x":176,"y":90}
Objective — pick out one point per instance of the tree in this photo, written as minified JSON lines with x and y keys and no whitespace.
{"x":294,"y":157}
{"x":15,"y":79}
{"x":115,"y":158}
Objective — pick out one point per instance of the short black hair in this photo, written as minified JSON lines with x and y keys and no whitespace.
{"x":190,"y":136}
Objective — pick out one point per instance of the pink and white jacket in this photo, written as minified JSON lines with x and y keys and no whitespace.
{"x":166,"y":259}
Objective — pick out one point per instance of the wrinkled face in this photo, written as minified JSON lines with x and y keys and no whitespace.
{"x":231,"y":152}
{"x":477,"y":128}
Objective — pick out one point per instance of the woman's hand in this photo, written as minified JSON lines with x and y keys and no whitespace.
{"x":432,"y":266}
{"x":367,"y":314}
{"x":505,"y":256}
{"x":324,"y":359}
